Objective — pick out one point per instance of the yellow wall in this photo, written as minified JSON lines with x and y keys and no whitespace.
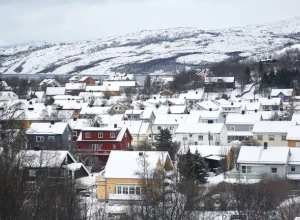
{"x":292,"y":143}
{"x":110,"y":186}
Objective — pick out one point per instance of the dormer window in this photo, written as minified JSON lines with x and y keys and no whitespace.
{"x":112,"y":134}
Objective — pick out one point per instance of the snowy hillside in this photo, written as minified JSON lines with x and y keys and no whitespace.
{"x":159,"y":51}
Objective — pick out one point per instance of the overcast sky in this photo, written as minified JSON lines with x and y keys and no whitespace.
{"x":23,"y":21}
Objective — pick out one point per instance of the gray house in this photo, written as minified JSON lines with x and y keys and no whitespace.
{"x":50,"y":136}
{"x":240,"y":126}
{"x":293,"y":168}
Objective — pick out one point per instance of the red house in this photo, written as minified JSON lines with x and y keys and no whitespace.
{"x":97,"y":142}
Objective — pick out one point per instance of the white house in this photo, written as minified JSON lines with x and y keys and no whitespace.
{"x":49,"y":82}
{"x":272,"y":132}
{"x":201,"y":134}
{"x":191,"y":97}
{"x":256,"y":162}
{"x":206,"y":106}
{"x":209,"y":116}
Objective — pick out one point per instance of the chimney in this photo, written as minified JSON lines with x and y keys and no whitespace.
{"x":115,"y":125}
{"x":231,"y":103}
{"x":154,"y":97}
{"x":269,"y":97}
{"x":140,"y":154}
{"x":52,"y":122}
{"x":243,"y":112}
{"x":210,"y":109}
{"x":74,"y":119}
{"x":265,"y":145}
{"x":196,"y":92}
{"x":157,"y":106}
{"x":30,"y":102}
{"x":255,"y":110}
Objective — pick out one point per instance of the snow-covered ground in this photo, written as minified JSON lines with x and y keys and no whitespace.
{"x":182,"y":46}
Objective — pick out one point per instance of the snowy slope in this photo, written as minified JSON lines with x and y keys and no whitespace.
{"x":165,"y":51}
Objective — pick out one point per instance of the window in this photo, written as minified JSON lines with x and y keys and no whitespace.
{"x":232,"y":128}
{"x":137,"y":190}
{"x":100,"y":135}
{"x":171,"y":128}
{"x":210,"y":137}
{"x":271,"y":137}
{"x":283,"y":137}
{"x":125,"y":189}
{"x":87,"y":134}
{"x":112,"y":134}
{"x":70,"y":137}
{"x":159,"y":128}
{"x":246,"y":169}
{"x":250,"y":128}
{"x":184,"y":138}
{"x":119,"y":190}
{"x":94,"y":147}
{"x":51,"y":138}
{"x":114,"y":146}
{"x":131,"y":190}
{"x":125,"y":134}
{"x":200,"y":137}
{"x":273,"y":169}
{"x":32,"y":173}
{"x":75,"y":133}
{"x":259,"y":137}
{"x":293,"y":169}
{"x":39,"y":139}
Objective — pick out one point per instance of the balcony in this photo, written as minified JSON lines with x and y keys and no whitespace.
{"x":236,"y":177}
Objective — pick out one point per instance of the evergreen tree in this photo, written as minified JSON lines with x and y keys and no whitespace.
{"x":188,"y":168}
{"x":200,"y":167}
{"x":164,"y":142}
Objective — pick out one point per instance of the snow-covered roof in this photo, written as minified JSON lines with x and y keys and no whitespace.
{"x":174,"y":119}
{"x":69,"y":104}
{"x":74,"y":78}
{"x":55,"y":91}
{"x":208,"y":105}
{"x":219,"y":79}
{"x":121,"y":133}
{"x":44,"y":158}
{"x":39,"y":94}
{"x":207,"y":114}
{"x":87,"y":110}
{"x":259,"y":155}
{"x":78,"y":124}
{"x":294,"y":158}
{"x":206,"y":150}
{"x":102,"y":88}
{"x":271,"y":101}
{"x":120,"y":83}
{"x":75,"y":86}
{"x":285,"y":92}
{"x":135,"y":127}
{"x":293,"y":133}
{"x":199,"y":128}
{"x":176,"y":101}
{"x":49,"y":81}
{"x":47,"y":128}
{"x":120,"y":77}
{"x":252,"y":106}
{"x":83,"y":78}
{"x":7,"y":96}
{"x":296,"y":118}
{"x":221,"y":102}
{"x":272,"y":126}
{"x":236,"y":118}
{"x":192,"y":95}
{"x":178,"y":109}
{"x":132,"y":163}
{"x":67,"y":97}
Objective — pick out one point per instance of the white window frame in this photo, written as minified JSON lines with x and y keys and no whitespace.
{"x":94,"y":147}
{"x":273,"y":168}
{"x":100,"y":134}
{"x":283,"y":139}
{"x":246,"y":169}
{"x":51,"y":137}
{"x":200,"y":137}
{"x":70,"y":137}
{"x":41,"y":139}
{"x":129,"y":189}
{"x":294,"y":169}
{"x":87,"y":136}
{"x":112,"y":135}
{"x":230,"y":128}
{"x":250,"y":128}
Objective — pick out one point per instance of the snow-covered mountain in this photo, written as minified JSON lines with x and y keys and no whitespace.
{"x":153,"y":51}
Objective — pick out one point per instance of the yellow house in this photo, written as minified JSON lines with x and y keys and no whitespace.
{"x":124,"y":172}
{"x":293,"y":136}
